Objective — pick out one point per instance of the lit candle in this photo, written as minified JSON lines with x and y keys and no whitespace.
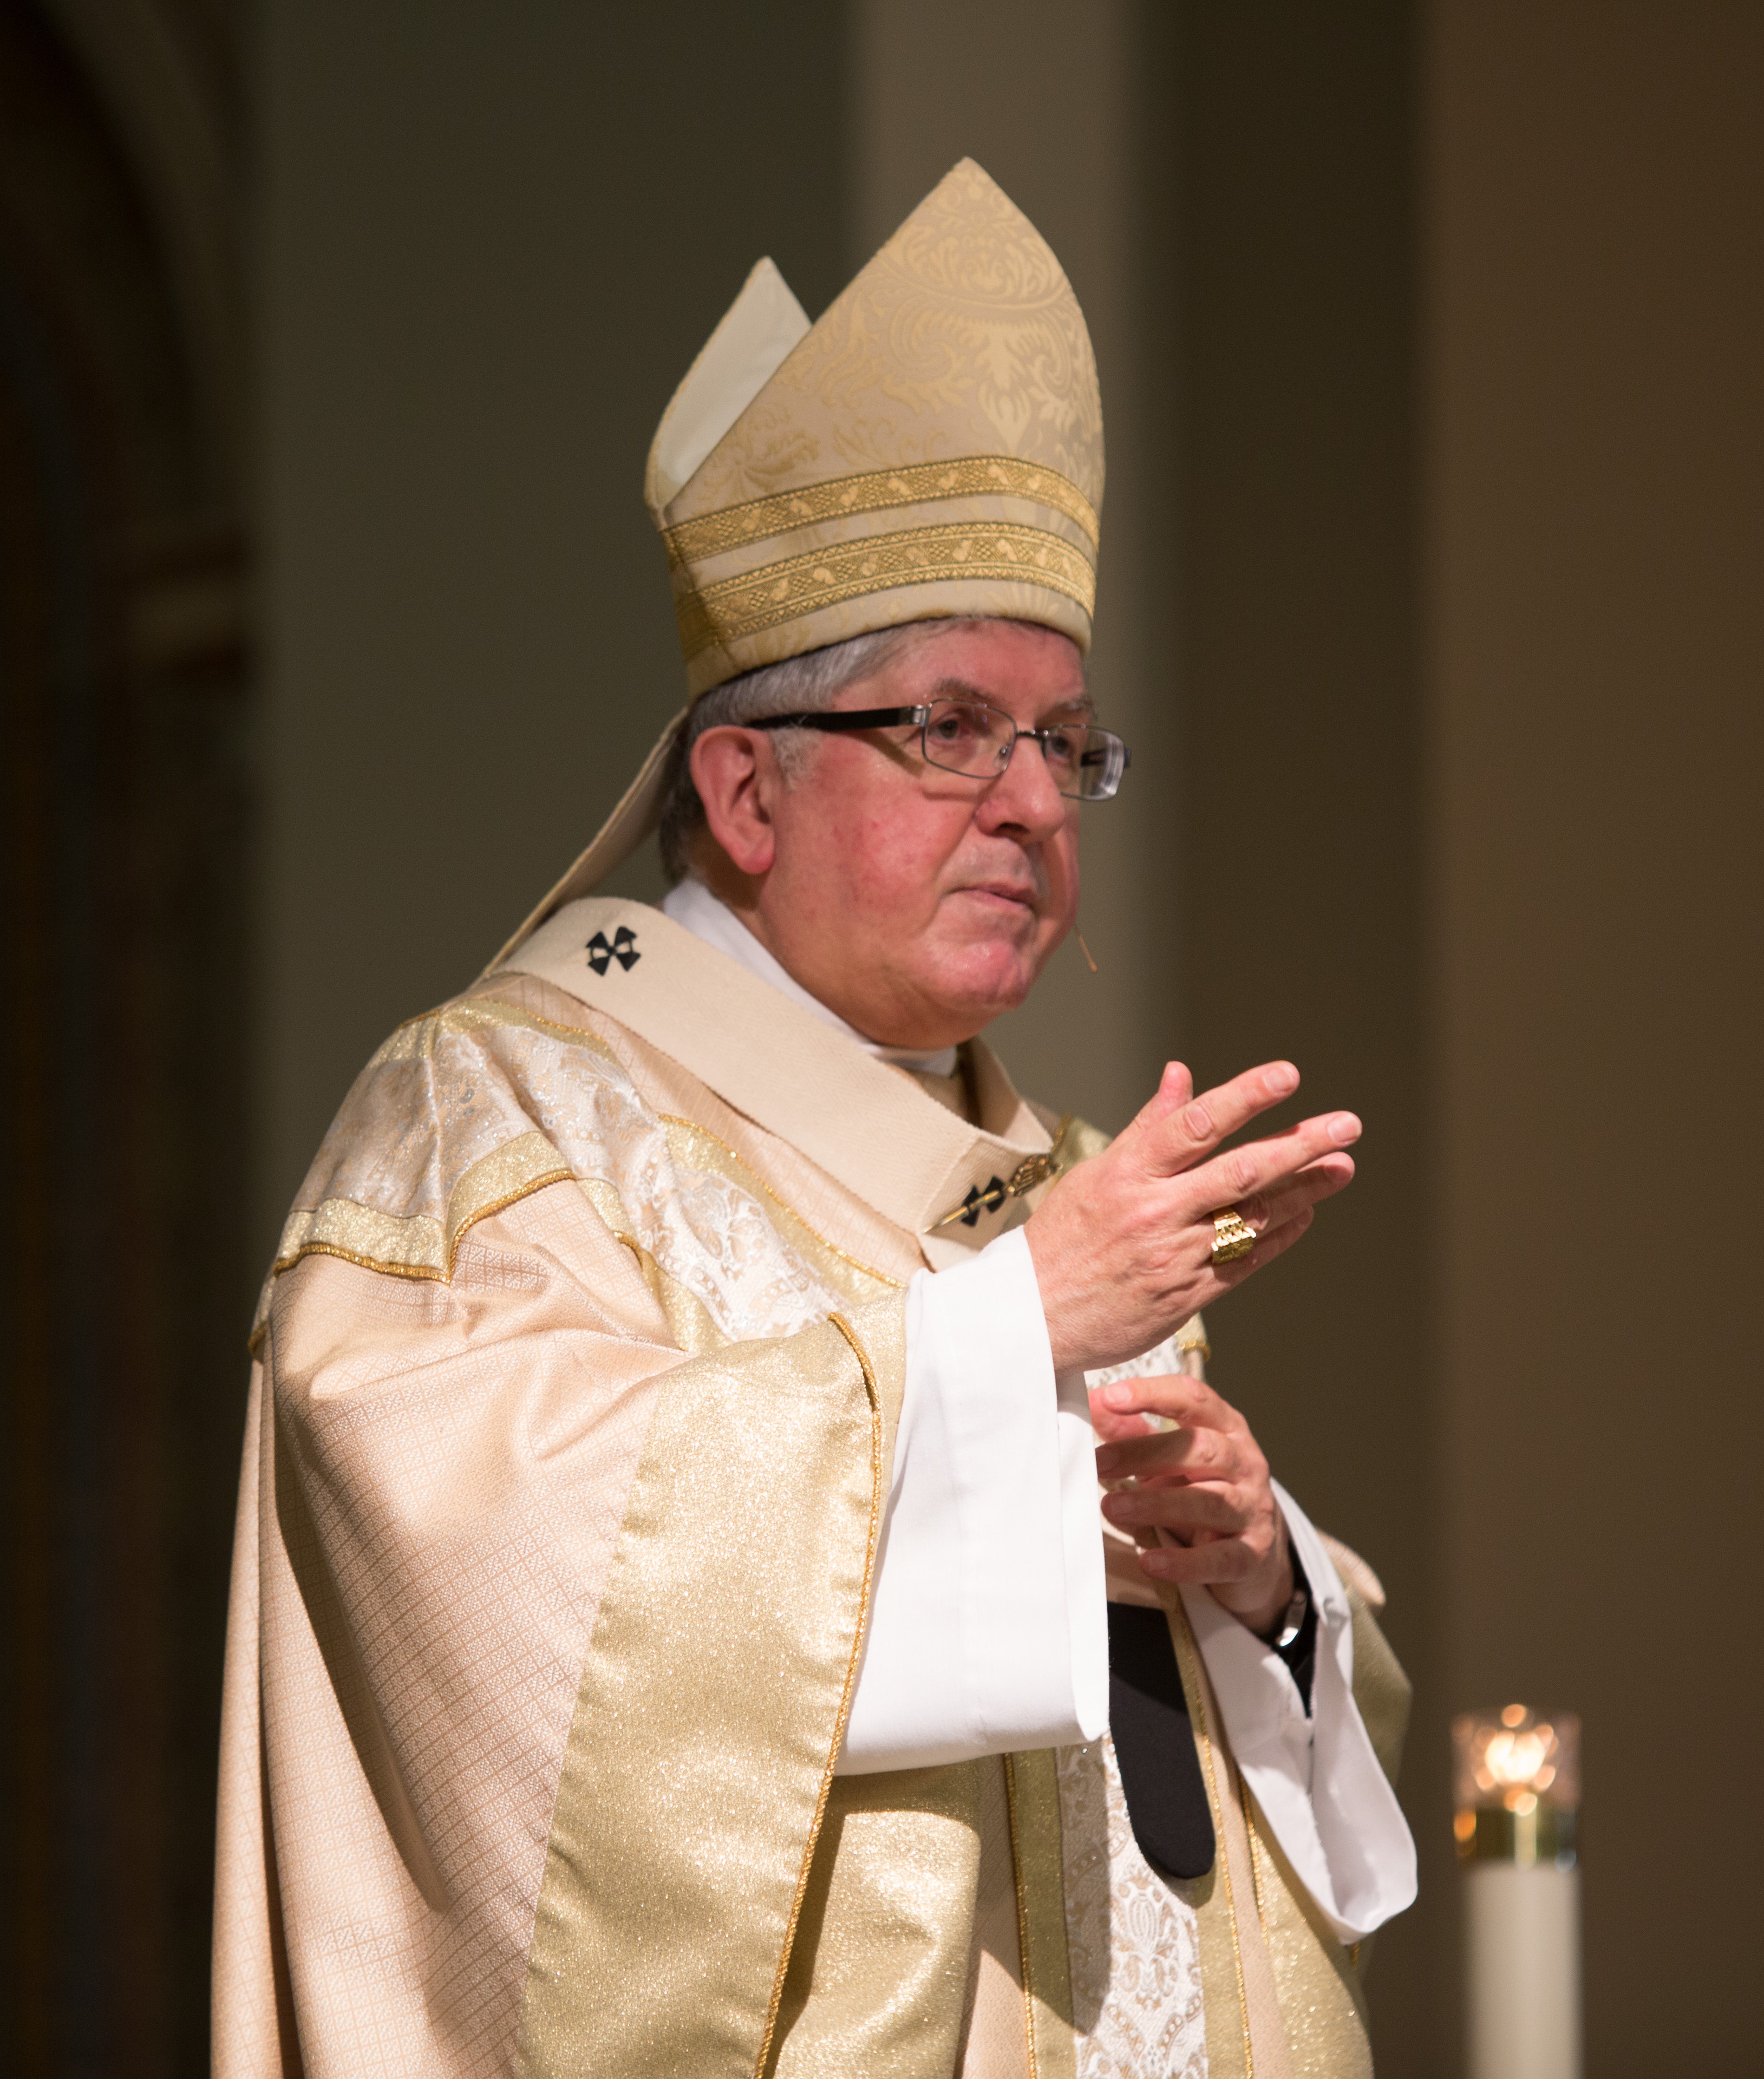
{"x":1518,"y":1784}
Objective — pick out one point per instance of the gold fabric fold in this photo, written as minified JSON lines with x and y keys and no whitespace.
{"x":879,"y":1968}
{"x":1039,"y":1854}
{"x":712,"y":1706}
{"x":1314,"y":1977}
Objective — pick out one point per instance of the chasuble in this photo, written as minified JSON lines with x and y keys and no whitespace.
{"x":571,"y":1475}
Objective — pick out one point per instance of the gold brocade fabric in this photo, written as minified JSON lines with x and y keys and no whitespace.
{"x":878,"y":1978}
{"x":570,"y":1425}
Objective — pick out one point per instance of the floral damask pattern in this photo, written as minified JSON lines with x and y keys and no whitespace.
{"x":449,"y":1090}
{"x":1134,"y":1944}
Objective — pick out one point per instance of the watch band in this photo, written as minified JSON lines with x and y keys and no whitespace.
{"x":1293,"y":1621}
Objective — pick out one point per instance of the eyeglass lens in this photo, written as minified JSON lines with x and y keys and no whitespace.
{"x":963,"y":737}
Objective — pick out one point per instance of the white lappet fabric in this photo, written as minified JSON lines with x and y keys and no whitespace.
{"x":988,"y":1631}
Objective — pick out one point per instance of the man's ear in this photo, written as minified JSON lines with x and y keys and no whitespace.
{"x":736,"y":773}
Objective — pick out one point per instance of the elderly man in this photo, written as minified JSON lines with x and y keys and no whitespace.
{"x":674,"y":1628}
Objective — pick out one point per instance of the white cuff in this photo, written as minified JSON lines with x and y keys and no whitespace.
{"x":989,"y":1629}
{"x":1319,"y":1783}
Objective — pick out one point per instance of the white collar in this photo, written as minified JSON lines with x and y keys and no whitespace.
{"x":708,"y":917}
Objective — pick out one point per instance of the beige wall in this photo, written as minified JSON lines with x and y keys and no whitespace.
{"x":1594,"y":415}
{"x":1290,"y":137}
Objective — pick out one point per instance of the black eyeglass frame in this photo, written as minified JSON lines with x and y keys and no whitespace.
{"x":839,"y":721}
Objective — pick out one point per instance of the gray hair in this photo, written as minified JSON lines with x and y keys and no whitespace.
{"x":800,"y":685}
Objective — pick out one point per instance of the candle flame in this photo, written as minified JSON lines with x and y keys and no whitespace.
{"x":1512,"y":1758}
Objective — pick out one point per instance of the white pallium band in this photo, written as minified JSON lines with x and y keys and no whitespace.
{"x":1325,"y":1798}
{"x":988,"y":1630}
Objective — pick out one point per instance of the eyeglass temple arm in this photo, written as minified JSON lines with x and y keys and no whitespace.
{"x":838,"y":719}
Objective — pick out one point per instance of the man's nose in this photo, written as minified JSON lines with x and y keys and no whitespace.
{"x":1024,"y":794}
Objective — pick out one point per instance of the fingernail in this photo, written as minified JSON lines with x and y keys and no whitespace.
{"x":1119,"y":1395}
{"x":1343,"y":1127}
{"x":1156,"y":1563}
{"x":1108,"y":1458}
{"x":1282,"y":1080}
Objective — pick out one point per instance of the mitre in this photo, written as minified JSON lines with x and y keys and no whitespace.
{"x":930,"y":448}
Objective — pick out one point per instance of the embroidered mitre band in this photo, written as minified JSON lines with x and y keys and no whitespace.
{"x":931,"y":449}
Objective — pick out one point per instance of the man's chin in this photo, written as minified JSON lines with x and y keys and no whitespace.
{"x":974,"y":985}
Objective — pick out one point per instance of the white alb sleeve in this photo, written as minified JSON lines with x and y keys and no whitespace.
{"x":1316,"y":1778}
{"x":988,"y":1630}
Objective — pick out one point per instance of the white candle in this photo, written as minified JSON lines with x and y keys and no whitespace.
{"x":1523,"y":1935}
{"x":1517,"y":1794}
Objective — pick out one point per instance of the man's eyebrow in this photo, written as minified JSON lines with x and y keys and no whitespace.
{"x":963,"y":689}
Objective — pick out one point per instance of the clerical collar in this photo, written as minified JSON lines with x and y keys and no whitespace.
{"x":708,"y":917}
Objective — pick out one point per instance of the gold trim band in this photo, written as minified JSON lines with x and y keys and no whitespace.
{"x":1038,"y":1853}
{"x":876,"y":490}
{"x":798,"y":585}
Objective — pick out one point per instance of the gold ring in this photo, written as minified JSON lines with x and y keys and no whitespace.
{"x":1233,"y":1237}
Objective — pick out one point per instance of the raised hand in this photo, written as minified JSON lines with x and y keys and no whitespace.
{"x":1123,"y":1245}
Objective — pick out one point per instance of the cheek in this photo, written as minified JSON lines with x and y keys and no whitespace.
{"x":862,"y":857}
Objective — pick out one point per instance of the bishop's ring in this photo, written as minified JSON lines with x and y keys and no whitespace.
{"x":1233,"y":1237}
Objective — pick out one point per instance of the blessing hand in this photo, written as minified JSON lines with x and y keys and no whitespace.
{"x":1203,"y":1506}
{"x":1122,"y":1244}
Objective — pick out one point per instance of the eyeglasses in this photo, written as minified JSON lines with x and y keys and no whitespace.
{"x":970,"y":738}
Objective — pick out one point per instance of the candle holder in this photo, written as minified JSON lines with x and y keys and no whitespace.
{"x":1517,"y":1782}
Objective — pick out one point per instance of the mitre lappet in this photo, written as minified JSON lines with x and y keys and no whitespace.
{"x":931,"y":448}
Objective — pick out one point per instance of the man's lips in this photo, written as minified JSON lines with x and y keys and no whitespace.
{"x":1007,"y":894}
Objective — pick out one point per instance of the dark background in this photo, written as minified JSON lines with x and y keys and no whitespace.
{"x":332,"y":340}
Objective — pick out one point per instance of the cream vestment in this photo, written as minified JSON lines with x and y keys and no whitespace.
{"x":572,"y":1439}
{"x":622,"y":1678}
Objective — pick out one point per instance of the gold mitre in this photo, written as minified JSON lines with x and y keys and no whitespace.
{"x":932,"y":448}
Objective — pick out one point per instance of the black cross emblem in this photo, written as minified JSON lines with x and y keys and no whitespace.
{"x":978,"y":1201}
{"x":621,"y":948}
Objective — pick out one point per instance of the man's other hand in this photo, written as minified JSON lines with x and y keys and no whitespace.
{"x":1123,"y":1245}
{"x":1204,"y":1485}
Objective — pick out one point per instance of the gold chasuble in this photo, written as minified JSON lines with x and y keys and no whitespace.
{"x":577,"y":1383}
{"x":570,"y":1429}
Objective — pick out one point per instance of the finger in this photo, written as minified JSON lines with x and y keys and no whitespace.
{"x":1266,"y":1210}
{"x":1196,"y":1454}
{"x":1181,"y":1510}
{"x":1178,"y":1130}
{"x":1270,"y":1165}
{"x":1111,"y":1427}
{"x":1177,"y":1396}
{"x":1222,"y":1559}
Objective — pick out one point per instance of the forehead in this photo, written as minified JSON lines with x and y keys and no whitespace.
{"x":1028,"y":671}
